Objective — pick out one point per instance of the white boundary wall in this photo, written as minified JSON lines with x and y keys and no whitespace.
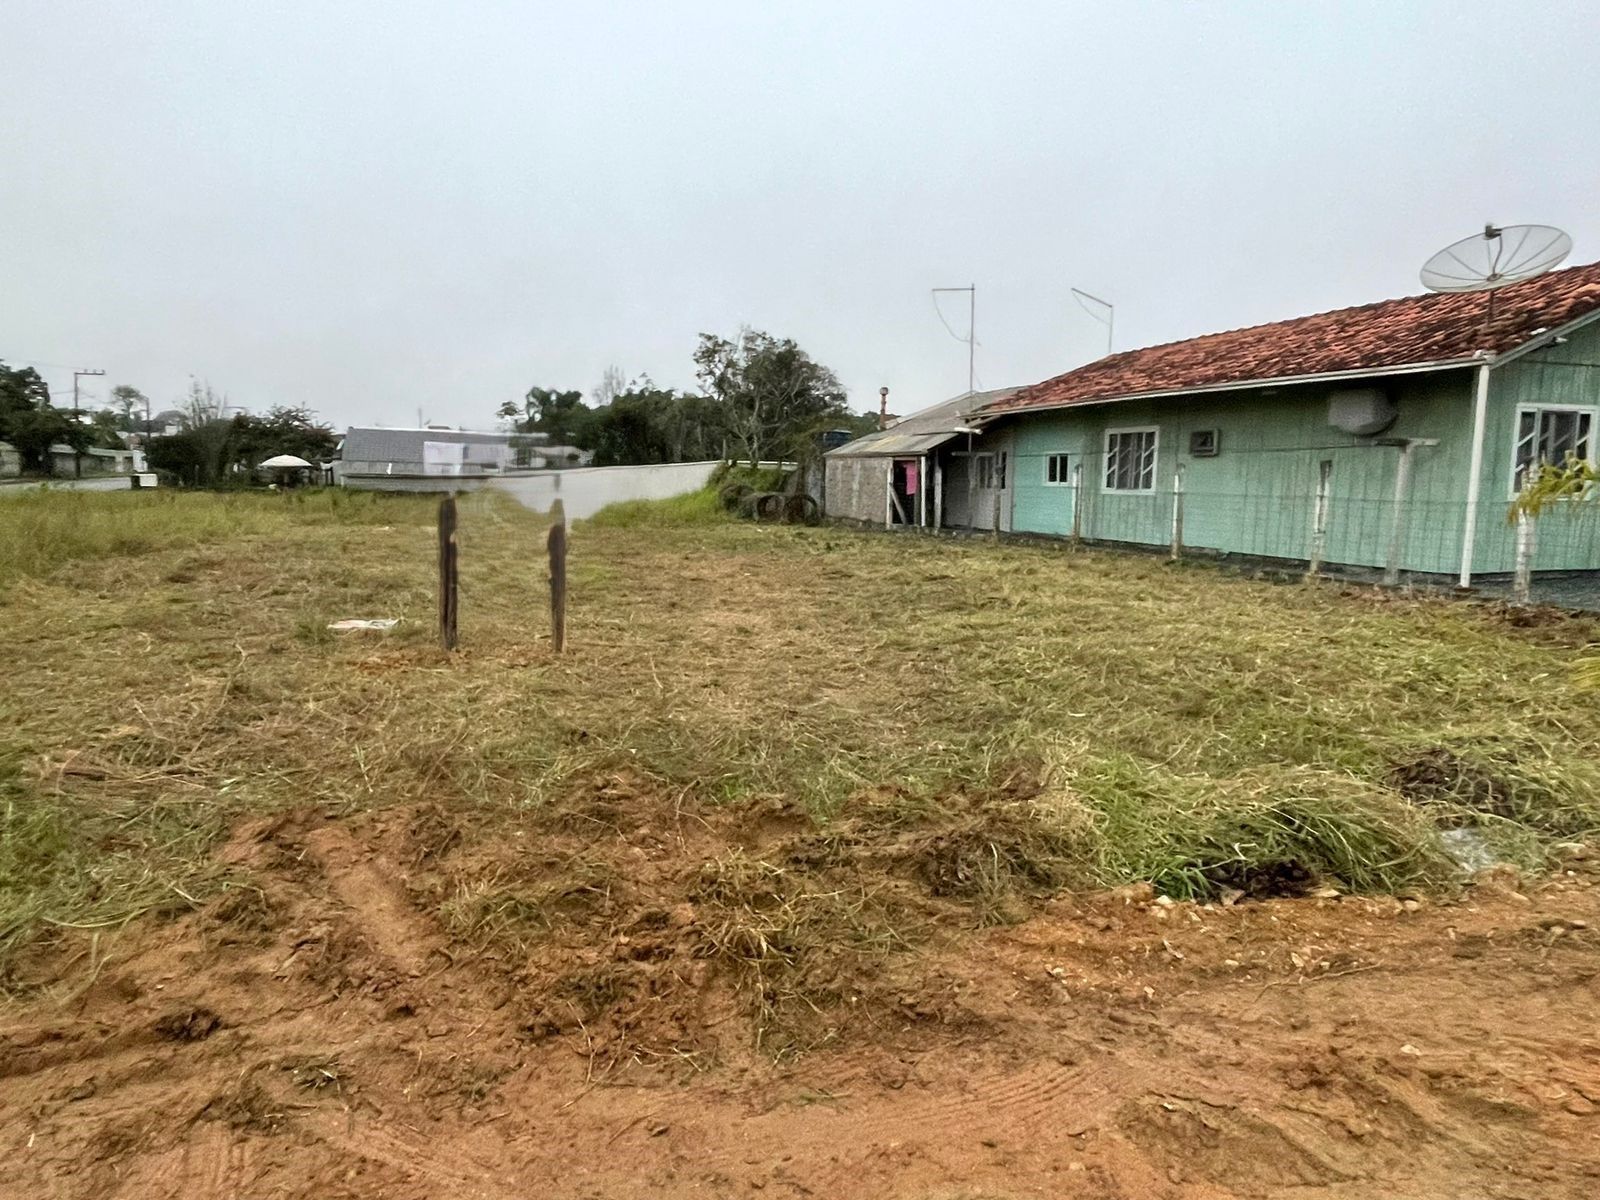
{"x":584,"y":491}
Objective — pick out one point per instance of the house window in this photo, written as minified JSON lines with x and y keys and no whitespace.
{"x":1056,"y":470}
{"x":1204,"y":443}
{"x":1549,"y":435}
{"x":1131,"y":460}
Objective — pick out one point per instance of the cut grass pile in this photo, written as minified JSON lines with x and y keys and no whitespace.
{"x":989,"y":722}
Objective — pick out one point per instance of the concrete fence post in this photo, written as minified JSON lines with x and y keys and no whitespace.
{"x":1527,"y":543}
{"x":1319,"y":520}
{"x":1077,"y":504}
{"x":1397,"y":527}
{"x":1177,"y":513}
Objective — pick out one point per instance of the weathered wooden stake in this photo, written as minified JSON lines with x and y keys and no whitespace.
{"x":558,"y":579}
{"x":448,"y":578}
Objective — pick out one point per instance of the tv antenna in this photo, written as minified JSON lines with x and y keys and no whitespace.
{"x":1496,"y":258}
{"x":1110,"y":318}
{"x":972,"y":328}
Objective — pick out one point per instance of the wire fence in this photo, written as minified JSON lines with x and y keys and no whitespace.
{"x":1387,"y":512}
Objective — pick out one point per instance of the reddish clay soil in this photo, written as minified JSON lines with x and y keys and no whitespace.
{"x":318,"y":1035}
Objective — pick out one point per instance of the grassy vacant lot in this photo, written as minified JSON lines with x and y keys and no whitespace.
{"x":992,"y":721}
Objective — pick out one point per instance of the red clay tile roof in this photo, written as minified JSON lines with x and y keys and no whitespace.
{"x":1374,"y":338}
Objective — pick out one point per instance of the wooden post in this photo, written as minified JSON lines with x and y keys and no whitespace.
{"x":557,"y":544}
{"x":1077,"y":504}
{"x":1319,"y":520}
{"x":922,"y":491}
{"x":1527,"y":541}
{"x":448,"y":575}
{"x":994,"y":516}
{"x":1397,"y":527}
{"x":1177,"y":513}
{"x":938,"y":493}
{"x":889,"y":503}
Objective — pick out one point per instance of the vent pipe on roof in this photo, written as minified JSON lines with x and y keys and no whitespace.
{"x":883,"y":408}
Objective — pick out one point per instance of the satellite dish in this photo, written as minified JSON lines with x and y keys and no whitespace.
{"x":1500,"y":255}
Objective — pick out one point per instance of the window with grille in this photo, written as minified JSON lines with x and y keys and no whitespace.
{"x":1056,"y":470}
{"x":1549,"y":435}
{"x":1131,"y":460}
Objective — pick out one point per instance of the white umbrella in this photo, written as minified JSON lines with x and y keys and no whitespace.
{"x":283,"y":460}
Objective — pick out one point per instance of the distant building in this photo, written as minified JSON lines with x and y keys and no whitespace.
{"x":421,"y":459}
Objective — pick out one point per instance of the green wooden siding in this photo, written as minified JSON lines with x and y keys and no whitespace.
{"x":1257,"y":496}
{"x":1568,"y":536}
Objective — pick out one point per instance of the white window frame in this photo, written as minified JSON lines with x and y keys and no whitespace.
{"x":1066,"y":472}
{"x":1155,"y":460}
{"x":1516,"y":429}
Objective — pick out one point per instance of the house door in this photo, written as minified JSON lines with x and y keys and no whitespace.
{"x":905,"y":491}
{"x":991,"y":482}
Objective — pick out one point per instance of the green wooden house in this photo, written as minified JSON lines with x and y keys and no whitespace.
{"x":1393,"y":436}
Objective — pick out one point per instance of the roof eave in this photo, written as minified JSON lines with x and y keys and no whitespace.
{"x":1450,"y":364}
{"x":1546,"y":338}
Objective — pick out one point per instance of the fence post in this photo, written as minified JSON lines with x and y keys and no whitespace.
{"x":1319,"y":520}
{"x":1397,"y":528}
{"x":1077,"y":504}
{"x":1527,"y":541}
{"x":557,"y":545}
{"x":994,"y":517}
{"x":448,"y":576}
{"x":1177,"y":512}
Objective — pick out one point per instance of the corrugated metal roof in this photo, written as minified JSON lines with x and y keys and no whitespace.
{"x":921,"y":431}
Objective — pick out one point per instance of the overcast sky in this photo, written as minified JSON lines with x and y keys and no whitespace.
{"x":373,"y":209}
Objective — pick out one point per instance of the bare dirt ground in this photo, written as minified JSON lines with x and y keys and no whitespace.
{"x":317,"y":1032}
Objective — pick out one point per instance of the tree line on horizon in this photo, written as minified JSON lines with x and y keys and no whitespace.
{"x":761,"y":399}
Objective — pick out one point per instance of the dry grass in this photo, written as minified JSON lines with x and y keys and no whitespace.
{"x":1047,"y":718}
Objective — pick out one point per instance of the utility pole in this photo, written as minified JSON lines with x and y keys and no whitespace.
{"x":77,"y":455}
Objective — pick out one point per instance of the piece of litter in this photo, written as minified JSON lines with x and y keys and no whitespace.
{"x":359,"y":623}
{"x":1408,"y":1048}
{"x":1468,"y":850}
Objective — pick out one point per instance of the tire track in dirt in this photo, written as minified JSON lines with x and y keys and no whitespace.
{"x":385,"y":916}
{"x":436,"y":1161}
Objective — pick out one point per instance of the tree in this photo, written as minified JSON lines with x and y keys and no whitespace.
{"x":562,"y":417}
{"x":771,"y":393}
{"x":130,"y":400}
{"x":1577,"y":479}
{"x":31,"y":424}
{"x":649,"y":424}
{"x":284,"y":430}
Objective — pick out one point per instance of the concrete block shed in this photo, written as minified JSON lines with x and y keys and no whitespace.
{"x":914,"y":473}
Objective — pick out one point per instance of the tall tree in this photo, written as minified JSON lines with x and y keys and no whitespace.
{"x":31,"y":424}
{"x":133,"y":405}
{"x":771,"y":392}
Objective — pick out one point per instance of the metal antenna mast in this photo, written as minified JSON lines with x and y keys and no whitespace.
{"x":972,"y":329}
{"x":1111,"y":312}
